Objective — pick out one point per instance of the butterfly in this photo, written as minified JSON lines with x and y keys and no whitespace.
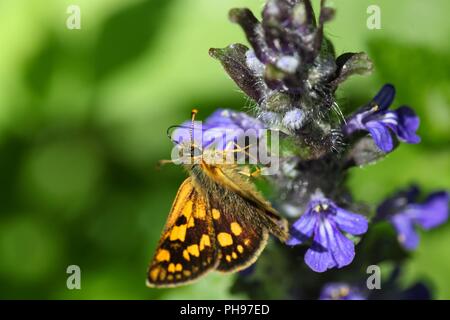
{"x":218,"y":221}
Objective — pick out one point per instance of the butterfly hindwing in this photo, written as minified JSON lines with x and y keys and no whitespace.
{"x":242,"y":220}
{"x":187,"y":248}
{"x":246,"y":202}
{"x":240,"y":237}
{"x":238,"y":240}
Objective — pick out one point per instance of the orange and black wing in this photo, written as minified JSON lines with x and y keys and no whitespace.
{"x":247,"y":203}
{"x":239,"y":238}
{"x":242,"y":219}
{"x":187,"y":248}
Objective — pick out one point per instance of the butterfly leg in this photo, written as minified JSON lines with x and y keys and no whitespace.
{"x":249,"y":173}
{"x":163,"y":162}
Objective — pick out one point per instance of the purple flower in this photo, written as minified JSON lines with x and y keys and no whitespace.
{"x":289,"y":53}
{"x":220,"y":130}
{"x":324,"y":221}
{"x":380,"y":122}
{"x":341,"y":291}
{"x":403,"y":211}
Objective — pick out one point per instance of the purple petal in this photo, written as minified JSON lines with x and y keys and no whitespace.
{"x":302,"y":229}
{"x":350,"y":222}
{"x":433,"y":212}
{"x":408,"y":123}
{"x":319,"y":259}
{"x":380,"y":134}
{"x":389,"y":119}
{"x":220,"y":129}
{"x":398,"y":202}
{"x":182,"y":134}
{"x":323,"y":227}
{"x":374,"y":110}
{"x":330,"y":248}
{"x":341,"y":248}
{"x":228,"y":119}
{"x":385,"y":97}
{"x":295,"y":239}
{"x":407,"y":235}
{"x":355,"y":123}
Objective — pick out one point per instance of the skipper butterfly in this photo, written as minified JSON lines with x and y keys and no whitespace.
{"x":218,"y":221}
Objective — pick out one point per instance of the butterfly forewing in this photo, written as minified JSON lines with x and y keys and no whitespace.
{"x":187,"y":248}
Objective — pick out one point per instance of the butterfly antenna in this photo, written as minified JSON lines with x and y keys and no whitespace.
{"x":191,"y":130}
{"x":169,"y":132}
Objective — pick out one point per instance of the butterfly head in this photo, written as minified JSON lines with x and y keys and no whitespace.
{"x":189,"y":150}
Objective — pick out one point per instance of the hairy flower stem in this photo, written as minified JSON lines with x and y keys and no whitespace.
{"x":291,"y":73}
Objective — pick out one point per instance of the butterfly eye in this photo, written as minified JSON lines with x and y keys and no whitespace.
{"x":196,"y":152}
{"x":187,"y":152}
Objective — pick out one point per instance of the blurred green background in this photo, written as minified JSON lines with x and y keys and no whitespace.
{"x":83,"y":117}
